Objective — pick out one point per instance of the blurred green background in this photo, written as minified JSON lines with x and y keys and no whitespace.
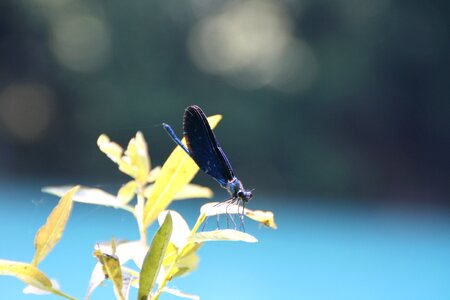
{"x":332,"y":99}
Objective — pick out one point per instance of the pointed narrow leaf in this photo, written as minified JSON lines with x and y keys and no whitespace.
{"x":187,"y":261}
{"x":154,"y":258}
{"x":222,"y":235}
{"x":153,"y":174}
{"x":112,"y":270}
{"x":114,"y":152}
{"x":111,"y":149}
{"x":27,"y":273}
{"x":180,"y":227}
{"x":90,"y":196}
{"x":29,"y":289}
{"x":264,"y":217}
{"x":191,"y":191}
{"x":125,"y":251}
{"x":49,"y":234}
{"x":137,"y":157}
{"x":177,"y":171}
{"x":170,"y":256}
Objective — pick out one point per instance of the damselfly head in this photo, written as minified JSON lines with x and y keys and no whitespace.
{"x":245,"y":195}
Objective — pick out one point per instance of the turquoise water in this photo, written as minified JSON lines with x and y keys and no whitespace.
{"x":318,"y":252}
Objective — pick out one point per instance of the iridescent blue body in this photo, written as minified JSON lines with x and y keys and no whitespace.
{"x":203,"y":147}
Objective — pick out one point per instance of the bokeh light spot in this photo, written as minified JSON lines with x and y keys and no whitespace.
{"x":251,"y":44}
{"x":81,"y":42}
{"x":244,"y":34}
{"x":26,"y":111}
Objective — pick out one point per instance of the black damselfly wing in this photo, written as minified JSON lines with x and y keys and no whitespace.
{"x":203,"y":146}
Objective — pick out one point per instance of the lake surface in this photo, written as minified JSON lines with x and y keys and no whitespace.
{"x":318,"y":252}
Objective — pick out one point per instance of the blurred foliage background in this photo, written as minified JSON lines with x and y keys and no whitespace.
{"x":343,"y":99}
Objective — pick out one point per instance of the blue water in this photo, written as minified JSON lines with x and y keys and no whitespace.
{"x":318,"y":252}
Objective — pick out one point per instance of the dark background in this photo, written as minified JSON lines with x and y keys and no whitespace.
{"x":339,"y":99}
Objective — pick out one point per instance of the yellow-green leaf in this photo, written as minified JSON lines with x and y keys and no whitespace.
{"x":187,"y":260}
{"x":28,"y":273}
{"x":114,"y":152}
{"x":112,"y":270}
{"x":170,"y":255}
{"x":191,"y":191}
{"x":98,"y":276}
{"x":111,"y":149}
{"x":127,"y":192}
{"x":137,"y":156}
{"x":153,"y":174}
{"x":125,"y":251}
{"x":264,"y":217}
{"x":154,"y":258}
{"x":177,"y":171}
{"x":222,"y":235}
{"x":90,"y":196}
{"x":29,"y":289}
{"x":49,"y":234}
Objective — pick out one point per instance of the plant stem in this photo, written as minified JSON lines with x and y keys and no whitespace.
{"x":139,"y":214}
{"x":199,"y":222}
{"x":59,"y":293}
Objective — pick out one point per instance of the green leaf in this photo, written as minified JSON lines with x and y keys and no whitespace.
{"x":49,"y":234}
{"x":180,"y":227}
{"x":177,"y":171}
{"x":222,"y":235}
{"x":98,"y":276}
{"x":112,"y":270}
{"x":154,"y":258}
